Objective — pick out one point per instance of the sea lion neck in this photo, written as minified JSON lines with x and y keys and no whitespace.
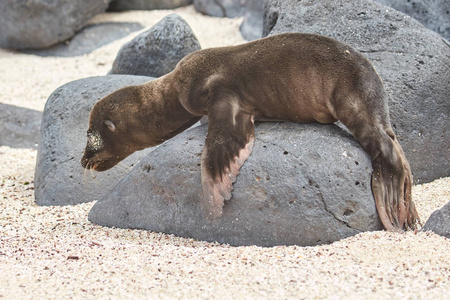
{"x":161,"y":109}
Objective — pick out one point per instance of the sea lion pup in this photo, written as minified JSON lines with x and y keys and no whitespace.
{"x":294,"y":77}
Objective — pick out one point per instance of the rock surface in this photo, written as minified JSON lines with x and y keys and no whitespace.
{"x":157,"y":51}
{"x":439,"y":222}
{"x":302,"y":185}
{"x":434,"y":14}
{"x":252,"y":27}
{"x":121,"y":5}
{"x":221,"y":8}
{"x":413,"y":62}
{"x":19,"y":127}
{"x":59,"y":177}
{"x":42,"y":23}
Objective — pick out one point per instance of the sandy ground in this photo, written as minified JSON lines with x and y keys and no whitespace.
{"x":55,"y":253}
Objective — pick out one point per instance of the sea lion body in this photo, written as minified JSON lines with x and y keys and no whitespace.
{"x":297,"y":78}
{"x":289,"y":77}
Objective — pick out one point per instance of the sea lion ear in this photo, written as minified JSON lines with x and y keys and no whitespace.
{"x":231,"y":134}
{"x":110,"y":125}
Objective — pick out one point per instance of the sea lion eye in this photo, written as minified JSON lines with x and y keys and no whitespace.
{"x":110,"y":125}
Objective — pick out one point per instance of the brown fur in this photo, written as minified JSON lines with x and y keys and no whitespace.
{"x":294,"y":77}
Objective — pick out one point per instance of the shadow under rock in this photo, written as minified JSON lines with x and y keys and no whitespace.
{"x":89,"y":39}
{"x":19,"y":127}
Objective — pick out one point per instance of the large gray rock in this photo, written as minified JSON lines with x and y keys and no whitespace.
{"x":252,"y":27}
{"x":157,"y":51}
{"x":19,"y":126}
{"x":413,"y":62}
{"x":439,"y":222}
{"x":302,"y":185}
{"x":121,"y":5}
{"x":59,"y":177}
{"x":434,"y":14}
{"x":221,"y":8}
{"x":42,"y":23}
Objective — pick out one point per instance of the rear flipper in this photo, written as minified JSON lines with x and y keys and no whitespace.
{"x":391,"y":185}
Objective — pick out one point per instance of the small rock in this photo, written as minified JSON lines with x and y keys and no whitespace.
{"x":439,"y":222}
{"x":302,"y":185}
{"x":157,"y":51}
{"x":59,"y":177}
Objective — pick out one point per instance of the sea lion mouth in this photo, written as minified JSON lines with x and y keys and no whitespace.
{"x":98,"y":165}
{"x":99,"y":162}
{"x":93,"y":166}
{"x":87,"y":164}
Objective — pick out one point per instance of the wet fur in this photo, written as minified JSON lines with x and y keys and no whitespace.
{"x":293,"y":77}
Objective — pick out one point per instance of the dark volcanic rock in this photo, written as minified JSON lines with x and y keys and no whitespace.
{"x":19,"y":127}
{"x":439,"y":222}
{"x":42,"y":23}
{"x":59,"y":177}
{"x":302,"y":185}
{"x":221,"y":8}
{"x":413,"y":62}
{"x":157,"y":51}
{"x":252,"y":27}
{"x":434,"y":14}
{"x":121,"y":5}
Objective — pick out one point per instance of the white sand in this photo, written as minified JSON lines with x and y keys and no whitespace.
{"x":55,"y":253}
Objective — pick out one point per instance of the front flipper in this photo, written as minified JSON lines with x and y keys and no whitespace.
{"x":231,"y":134}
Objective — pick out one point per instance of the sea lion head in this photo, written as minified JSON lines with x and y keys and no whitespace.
{"x":117,"y":128}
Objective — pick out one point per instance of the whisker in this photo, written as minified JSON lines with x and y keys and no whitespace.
{"x":124,"y":167}
{"x":84,"y":173}
{"x":95,"y":177}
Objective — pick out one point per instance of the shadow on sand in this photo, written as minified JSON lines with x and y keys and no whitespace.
{"x":19,"y":127}
{"x":89,"y":39}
